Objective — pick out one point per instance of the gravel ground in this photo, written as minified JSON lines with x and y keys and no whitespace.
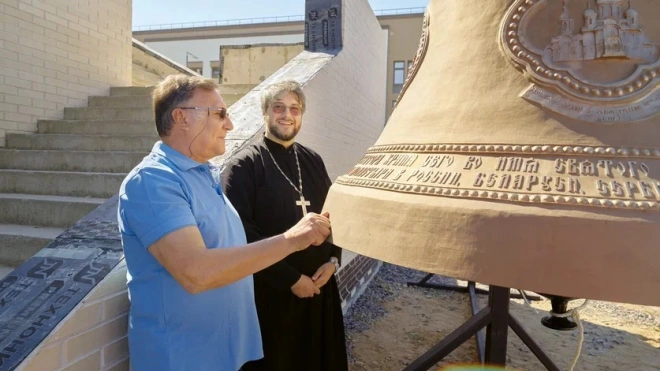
{"x":392,"y":279}
{"x":389,"y":281}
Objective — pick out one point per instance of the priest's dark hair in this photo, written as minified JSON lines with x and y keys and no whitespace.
{"x":173,"y":92}
{"x":271,"y":92}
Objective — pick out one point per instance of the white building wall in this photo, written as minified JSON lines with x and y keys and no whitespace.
{"x":346,"y":99}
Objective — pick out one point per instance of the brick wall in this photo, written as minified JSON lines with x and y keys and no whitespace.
{"x":354,"y":277}
{"x":54,"y":54}
{"x":93,"y":336}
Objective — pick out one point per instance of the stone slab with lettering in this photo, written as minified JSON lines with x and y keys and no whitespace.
{"x":42,"y":291}
{"x":323,"y":25}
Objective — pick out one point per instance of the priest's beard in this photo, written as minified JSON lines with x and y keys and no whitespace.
{"x":284,"y":134}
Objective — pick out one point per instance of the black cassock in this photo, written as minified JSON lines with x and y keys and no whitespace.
{"x":298,"y":334}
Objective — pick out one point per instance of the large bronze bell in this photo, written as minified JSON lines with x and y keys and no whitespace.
{"x":524,"y":152}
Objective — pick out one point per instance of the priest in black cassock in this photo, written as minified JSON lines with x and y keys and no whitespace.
{"x":272,"y":184}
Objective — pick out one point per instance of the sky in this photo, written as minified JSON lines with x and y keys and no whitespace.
{"x":153,"y":12}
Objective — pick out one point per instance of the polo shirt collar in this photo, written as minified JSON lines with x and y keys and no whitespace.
{"x":178,"y":159}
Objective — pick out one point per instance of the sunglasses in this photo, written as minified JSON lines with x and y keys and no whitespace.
{"x":280,"y":108}
{"x":222,"y":112}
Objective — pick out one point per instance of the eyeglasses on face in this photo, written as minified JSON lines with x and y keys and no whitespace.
{"x":280,"y":108}
{"x":222,"y":112}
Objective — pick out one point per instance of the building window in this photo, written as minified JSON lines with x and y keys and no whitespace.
{"x":399,"y":76}
{"x":199,"y":70}
{"x":215,"y":73}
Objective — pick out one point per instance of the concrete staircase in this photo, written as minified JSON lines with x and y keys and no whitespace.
{"x":51,"y":179}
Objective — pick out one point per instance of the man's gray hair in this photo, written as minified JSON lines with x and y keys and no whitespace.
{"x":273,"y":91}
{"x":173,"y":91}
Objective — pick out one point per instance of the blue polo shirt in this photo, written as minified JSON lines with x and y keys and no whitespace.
{"x":169,"y":328}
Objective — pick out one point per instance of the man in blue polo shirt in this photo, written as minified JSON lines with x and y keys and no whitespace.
{"x":189,"y":266}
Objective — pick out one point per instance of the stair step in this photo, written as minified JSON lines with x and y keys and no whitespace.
{"x":108,"y":113}
{"x":122,"y":127}
{"x":64,"y":183}
{"x":18,"y":243}
{"x":141,"y":76}
{"x":81,"y":142}
{"x":85,"y":161}
{"x":121,"y":101}
{"x":131,"y":91}
{"x":42,"y":210}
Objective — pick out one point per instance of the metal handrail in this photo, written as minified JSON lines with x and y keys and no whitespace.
{"x":397,"y":11}
{"x":243,"y":21}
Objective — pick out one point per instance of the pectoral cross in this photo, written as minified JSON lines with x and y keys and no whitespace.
{"x":303,"y":203}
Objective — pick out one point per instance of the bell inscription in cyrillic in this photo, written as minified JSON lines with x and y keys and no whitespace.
{"x":588,"y":176}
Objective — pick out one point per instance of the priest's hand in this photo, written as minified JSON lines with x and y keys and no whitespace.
{"x":312,"y":229}
{"x":305,"y":288}
{"x":323,"y":274}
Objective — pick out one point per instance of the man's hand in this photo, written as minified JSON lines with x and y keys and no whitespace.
{"x":305,"y":288}
{"x":313,"y":229}
{"x":323,"y":274}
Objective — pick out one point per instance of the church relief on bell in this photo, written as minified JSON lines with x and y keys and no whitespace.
{"x":609,"y":31}
{"x":590,"y":60}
